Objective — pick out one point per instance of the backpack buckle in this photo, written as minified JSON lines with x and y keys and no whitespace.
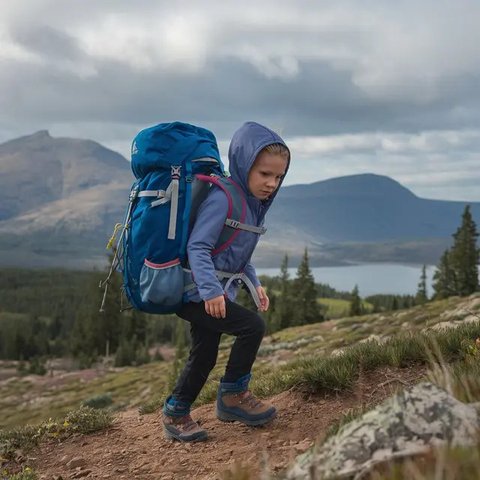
{"x":232,"y":223}
{"x":133,"y":193}
{"x":176,"y":172}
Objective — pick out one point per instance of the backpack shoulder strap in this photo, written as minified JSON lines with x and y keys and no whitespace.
{"x":236,"y":213}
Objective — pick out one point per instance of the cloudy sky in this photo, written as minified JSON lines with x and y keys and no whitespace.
{"x":374,"y":86}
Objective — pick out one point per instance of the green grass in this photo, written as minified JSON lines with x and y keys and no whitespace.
{"x":453,"y":357}
{"x":130,"y":386}
{"x":25,"y":474}
{"x":144,"y":386}
{"x":334,"y":374}
{"x":81,"y":421}
{"x":336,"y":307}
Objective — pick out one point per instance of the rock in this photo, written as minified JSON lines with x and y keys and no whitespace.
{"x":409,"y":423}
{"x":471,"y":319}
{"x":76,"y":462}
{"x":441,"y":326}
{"x":19,"y":456}
{"x":374,"y":338}
{"x":81,"y":473}
{"x":302,"y":446}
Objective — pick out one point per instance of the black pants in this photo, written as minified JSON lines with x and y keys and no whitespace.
{"x":247,"y":326}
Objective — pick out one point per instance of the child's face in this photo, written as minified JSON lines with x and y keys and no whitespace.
{"x":265,"y":174}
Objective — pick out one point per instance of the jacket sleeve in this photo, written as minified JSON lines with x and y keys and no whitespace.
{"x":251,"y":274}
{"x":203,"y":238}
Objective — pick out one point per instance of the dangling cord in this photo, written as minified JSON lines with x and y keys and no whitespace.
{"x":117,"y":227}
{"x":116,"y":256}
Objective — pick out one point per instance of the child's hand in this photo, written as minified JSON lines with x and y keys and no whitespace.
{"x":264,"y":300}
{"x":216,"y":307}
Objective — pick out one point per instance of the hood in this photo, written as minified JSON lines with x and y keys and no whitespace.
{"x":246,"y":144}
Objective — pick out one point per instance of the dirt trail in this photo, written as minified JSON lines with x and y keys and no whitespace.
{"x":135,"y":448}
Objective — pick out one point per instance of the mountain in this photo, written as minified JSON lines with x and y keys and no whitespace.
{"x":60,"y":197}
{"x":37,"y":170}
{"x":365,"y":208}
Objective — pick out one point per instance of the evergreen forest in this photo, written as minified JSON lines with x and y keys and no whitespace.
{"x":46,"y":314}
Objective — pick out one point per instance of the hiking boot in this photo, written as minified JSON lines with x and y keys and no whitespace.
{"x":178,"y":424}
{"x":183,"y":429}
{"x":236,"y":403}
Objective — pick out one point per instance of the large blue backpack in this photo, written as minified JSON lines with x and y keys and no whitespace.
{"x":174,"y":165}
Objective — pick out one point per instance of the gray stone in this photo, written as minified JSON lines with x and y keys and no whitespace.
{"x":409,"y":423}
{"x":76,"y":462}
{"x":81,"y":473}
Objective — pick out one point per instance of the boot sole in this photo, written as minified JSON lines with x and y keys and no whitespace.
{"x":230,"y":417}
{"x":172,"y":436}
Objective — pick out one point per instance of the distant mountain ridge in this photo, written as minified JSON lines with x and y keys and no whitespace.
{"x":365,"y":208}
{"x":60,"y":197}
{"x":363,"y":185}
{"x":37,"y":169}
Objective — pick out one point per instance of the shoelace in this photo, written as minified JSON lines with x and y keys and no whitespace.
{"x":249,"y":398}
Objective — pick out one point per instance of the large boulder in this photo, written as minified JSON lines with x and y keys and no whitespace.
{"x":407,"y":424}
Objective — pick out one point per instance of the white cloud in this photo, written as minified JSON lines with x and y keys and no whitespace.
{"x":387,"y":142}
{"x":405,"y":75}
{"x":157,"y":41}
{"x":409,"y":53}
{"x":433,"y":164}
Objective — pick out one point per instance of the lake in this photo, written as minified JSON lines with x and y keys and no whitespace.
{"x":371,"y":278}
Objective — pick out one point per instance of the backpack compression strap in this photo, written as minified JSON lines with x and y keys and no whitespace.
{"x":165,"y":196}
{"x":236,"y":214}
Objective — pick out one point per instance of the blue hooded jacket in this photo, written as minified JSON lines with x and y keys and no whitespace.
{"x":246,"y":144}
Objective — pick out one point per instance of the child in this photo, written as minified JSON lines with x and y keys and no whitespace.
{"x":259,"y":160}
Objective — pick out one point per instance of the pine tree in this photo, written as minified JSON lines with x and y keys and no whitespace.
{"x":306,"y":308}
{"x":97,"y":333}
{"x":444,"y":284}
{"x":421,"y":296}
{"x":272,"y":319}
{"x":355,"y":303}
{"x":125,"y":354}
{"x":109,"y":322}
{"x":284,"y":303}
{"x":465,"y":256}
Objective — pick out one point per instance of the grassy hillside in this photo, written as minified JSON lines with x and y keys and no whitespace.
{"x":289,"y":357}
{"x":336,"y":357}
